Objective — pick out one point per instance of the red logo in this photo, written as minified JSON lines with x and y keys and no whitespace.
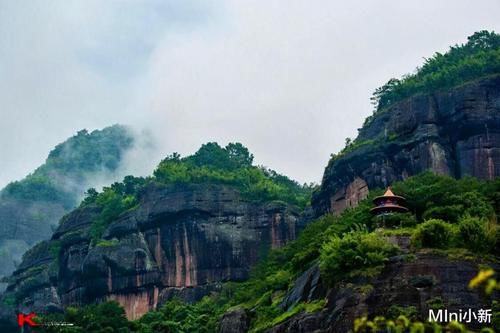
{"x":26,"y":319}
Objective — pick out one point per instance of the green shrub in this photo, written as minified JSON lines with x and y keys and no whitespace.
{"x":433,"y":233}
{"x":395,"y":311}
{"x":422,"y":281}
{"x":359,"y":216}
{"x":104,"y":317}
{"x":113,"y":204}
{"x":279,"y":280}
{"x":404,"y":220}
{"x":445,"y":213}
{"x":436,"y":303}
{"x":477,"y":234}
{"x":353,"y":251}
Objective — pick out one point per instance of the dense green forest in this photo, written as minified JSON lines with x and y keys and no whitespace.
{"x":211,"y":164}
{"x":477,"y":58}
{"x":454,"y":218}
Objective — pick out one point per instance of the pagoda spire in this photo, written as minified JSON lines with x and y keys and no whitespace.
{"x":389,"y":203}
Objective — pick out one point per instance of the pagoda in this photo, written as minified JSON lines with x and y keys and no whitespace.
{"x":389,"y":203}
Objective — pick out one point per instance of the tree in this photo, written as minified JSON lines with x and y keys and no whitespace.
{"x":239,"y":155}
{"x":211,"y":155}
{"x":484,"y":39}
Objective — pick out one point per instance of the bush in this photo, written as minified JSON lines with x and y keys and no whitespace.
{"x":477,"y":234}
{"x":395,"y":311}
{"x":433,"y":233}
{"x":353,"y":251}
{"x":100,"y":318}
{"x":447,"y":213}
{"x":112,"y":204}
{"x":435,"y":303}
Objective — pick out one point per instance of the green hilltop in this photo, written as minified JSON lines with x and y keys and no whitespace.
{"x":211,"y":164}
{"x":478,"y":58}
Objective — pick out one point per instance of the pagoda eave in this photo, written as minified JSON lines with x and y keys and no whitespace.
{"x":388,"y":209}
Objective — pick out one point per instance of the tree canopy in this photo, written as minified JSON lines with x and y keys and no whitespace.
{"x":477,"y":58}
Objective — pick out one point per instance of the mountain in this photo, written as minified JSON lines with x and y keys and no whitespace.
{"x":451,"y":132}
{"x":443,"y":118}
{"x":212,"y":243}
{"x":197,"y":222}
{"x":31,"y":208}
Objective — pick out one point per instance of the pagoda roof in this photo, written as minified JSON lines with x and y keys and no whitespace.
{"x":387,"y":195}
{"x":389,"y":207}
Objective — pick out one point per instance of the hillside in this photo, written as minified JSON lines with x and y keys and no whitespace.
{"x":30,"y":208}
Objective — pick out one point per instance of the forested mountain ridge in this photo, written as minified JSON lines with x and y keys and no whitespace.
{"x":30,"y":208}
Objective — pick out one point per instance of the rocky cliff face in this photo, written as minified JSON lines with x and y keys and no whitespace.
{"x":180,"y":241}
{"x":430,"y":278}
{"x":421,"y":283}
{"x":454,"y":133}
{"x":23,"y":224}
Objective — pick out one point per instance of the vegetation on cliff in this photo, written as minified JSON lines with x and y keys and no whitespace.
{"x":211,"y":164}
{"x":453,"y":217}
{"x":232,"y":165}
{"x":477,"y":58}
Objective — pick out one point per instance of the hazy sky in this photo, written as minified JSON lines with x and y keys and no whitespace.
{"x":289,"y":79}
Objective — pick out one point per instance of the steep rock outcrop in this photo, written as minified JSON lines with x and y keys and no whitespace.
{"x":454,"y":133}
{"x":180,"y":241}
{"x":417,"y":284}
{"x":235,"y":321}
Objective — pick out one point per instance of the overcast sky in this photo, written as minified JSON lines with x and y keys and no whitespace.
{"x":289,"y":79}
